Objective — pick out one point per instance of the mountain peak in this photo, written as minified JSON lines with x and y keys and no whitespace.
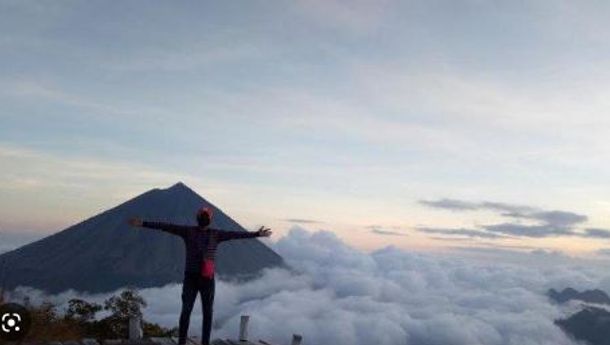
{"x":589,"y":296}
{"x":179,"y":189}
{"x":179,"y":185}
{"x":103,"y":253}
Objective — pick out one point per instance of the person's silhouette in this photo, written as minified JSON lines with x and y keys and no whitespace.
{"x":200,"y":242}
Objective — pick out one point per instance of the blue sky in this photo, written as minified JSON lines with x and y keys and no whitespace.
{"x":348,"y":113}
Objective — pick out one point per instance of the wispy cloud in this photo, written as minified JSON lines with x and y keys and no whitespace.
{"x":536,"y":231}
{"x":546,"y":223}
{"x":461,"y":232}
{"x":462,"y":205}
{"x":596,"y":233}
{"x":387,"y":232}
{"x":451,"y":204}
{"x":303,"y":221}
{"x":391,"y":230}
{"x":516,"y":253}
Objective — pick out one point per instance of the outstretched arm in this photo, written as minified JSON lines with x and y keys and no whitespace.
{"x":234,"y":235}
{"x":174,"y":229}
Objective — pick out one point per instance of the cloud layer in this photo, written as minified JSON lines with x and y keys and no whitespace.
{"x":339,"y":295}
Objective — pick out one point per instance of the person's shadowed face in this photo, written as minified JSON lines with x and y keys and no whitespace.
{"x":203,"y":220}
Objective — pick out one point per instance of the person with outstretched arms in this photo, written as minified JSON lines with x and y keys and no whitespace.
{"x":200,"y":242}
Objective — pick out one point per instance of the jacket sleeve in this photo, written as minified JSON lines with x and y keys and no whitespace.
{"x":178,"y":230}
{"x":235,"y":235}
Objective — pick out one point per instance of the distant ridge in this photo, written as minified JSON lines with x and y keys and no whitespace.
{"x":589,"y":296}
{"x":103,"y":253}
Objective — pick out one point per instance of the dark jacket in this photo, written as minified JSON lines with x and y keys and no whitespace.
{"x":199,"y":242}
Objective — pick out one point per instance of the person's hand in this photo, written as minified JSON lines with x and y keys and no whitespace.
{"x":135,"y":222}
{"x":264,"y":232}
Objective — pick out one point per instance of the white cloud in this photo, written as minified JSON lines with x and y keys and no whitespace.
{"x":340,"y":295}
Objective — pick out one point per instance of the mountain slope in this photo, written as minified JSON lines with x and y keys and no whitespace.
{"x":591,"y":325}
{"x":103,"y":253}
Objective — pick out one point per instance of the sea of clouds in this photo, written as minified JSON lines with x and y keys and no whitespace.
{"x":337,"y":294}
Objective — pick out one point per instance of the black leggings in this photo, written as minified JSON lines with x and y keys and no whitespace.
{"x":193,"y":284}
